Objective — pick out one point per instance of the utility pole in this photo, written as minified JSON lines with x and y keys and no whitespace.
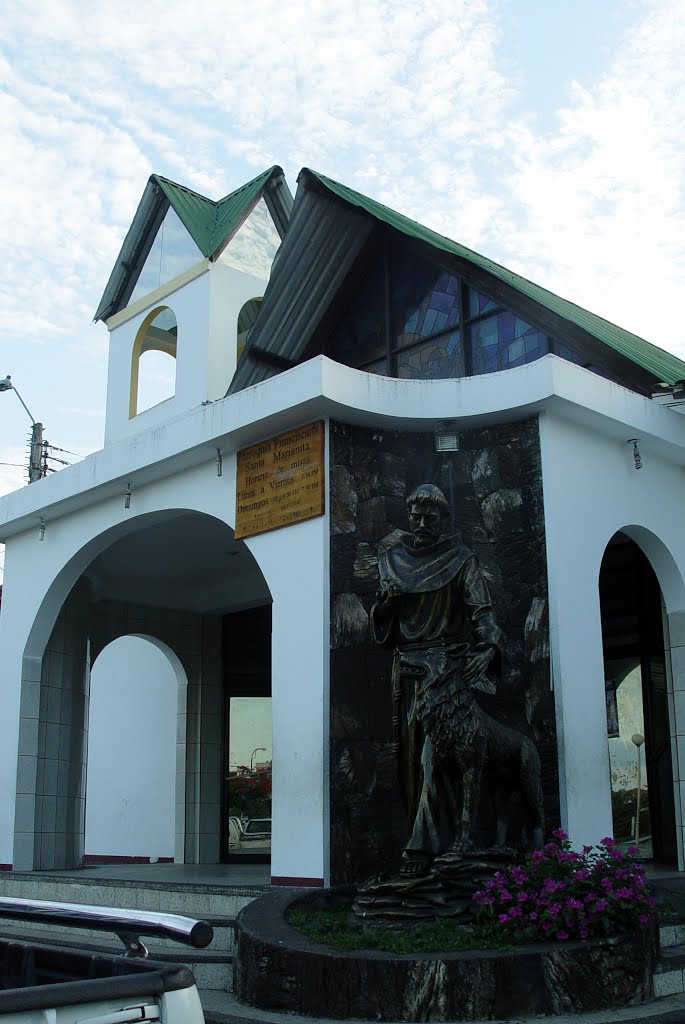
{"x":36,"y":470}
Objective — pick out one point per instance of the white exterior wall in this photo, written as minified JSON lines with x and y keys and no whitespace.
{"x":206,"y":311}
{"x":591,"y":491}
{"x":294,"y":564}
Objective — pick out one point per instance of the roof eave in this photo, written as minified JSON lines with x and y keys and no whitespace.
{"x":134,"y":250}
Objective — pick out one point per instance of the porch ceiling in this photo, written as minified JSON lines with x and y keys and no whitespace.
{"x":189,"y":561}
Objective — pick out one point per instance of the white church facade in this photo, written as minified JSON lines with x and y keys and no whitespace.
{"x":557,"y":438}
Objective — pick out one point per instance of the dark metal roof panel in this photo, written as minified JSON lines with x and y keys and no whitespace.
{"x":322,"y":242}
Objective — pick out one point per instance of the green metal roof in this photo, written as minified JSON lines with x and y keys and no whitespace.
{"x":209,"y":222}
{"x":663,"y":365}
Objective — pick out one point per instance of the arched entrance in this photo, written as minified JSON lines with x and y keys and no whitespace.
{"x":636,"y":683}
{"x":135,"y":790}
{"x":174,"y":576}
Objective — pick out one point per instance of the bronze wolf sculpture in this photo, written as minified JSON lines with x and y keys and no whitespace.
{"x":467,"y":743}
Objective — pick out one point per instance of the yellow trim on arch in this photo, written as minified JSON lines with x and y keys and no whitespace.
{"x":147,"y":341}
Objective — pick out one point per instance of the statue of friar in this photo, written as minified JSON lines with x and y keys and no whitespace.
{"x":433,"y":606}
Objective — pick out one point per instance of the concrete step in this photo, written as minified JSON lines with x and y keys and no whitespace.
{"x":199,"y":901}
{"x":669,"y":978}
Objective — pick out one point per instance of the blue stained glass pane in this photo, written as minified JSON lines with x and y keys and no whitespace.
{"x":425,"y":299}
{"x":515,"y":351}
{"x":479,"y":303}
{"x":503,"y":341}
{"x":506,"y":327}
{"x":439,"y":358}
{"x":485,"y":332}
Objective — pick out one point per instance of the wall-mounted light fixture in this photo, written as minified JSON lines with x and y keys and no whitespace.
{"x":127,"y":496}
{"x":41,"y":531}
{"x":219,"y":463}
{"x":637,"y":458}
{"x":446,"y":437}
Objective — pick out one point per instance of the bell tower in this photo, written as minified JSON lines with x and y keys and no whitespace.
{"x":183,"y":294}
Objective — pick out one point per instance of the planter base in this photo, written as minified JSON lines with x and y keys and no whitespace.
{"x":277,"y":968}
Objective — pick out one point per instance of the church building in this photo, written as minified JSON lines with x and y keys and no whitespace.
{"x":324,"y":357}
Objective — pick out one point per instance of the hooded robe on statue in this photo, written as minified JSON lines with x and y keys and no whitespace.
{"x":442,"y":615}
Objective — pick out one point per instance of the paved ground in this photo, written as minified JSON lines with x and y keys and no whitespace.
{"x":222,"y":1008}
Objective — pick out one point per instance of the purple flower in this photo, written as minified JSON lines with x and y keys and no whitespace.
{"x":503,"y":918}
{"x":645,"y":918}
{"x":608,"y":842}
{"x":522,"y":896}
{"x":560,"y":834}
{"x":561,"y":935}
{"x":600,"y":905}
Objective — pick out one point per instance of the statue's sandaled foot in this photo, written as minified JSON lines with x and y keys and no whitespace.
{"x":414,"y":864}
{"x":462,"y":845}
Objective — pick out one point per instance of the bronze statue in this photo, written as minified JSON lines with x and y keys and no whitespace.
{"x":433,"y":605}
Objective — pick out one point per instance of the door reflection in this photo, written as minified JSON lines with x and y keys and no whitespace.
{"x":249,"y":776}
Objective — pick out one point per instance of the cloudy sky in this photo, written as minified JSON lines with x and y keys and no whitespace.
{"x":546,"y":135}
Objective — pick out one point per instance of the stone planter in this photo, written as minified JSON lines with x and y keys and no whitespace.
{"x":277,"y":968}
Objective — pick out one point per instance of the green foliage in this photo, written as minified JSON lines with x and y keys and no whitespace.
{"x":335,"y":927}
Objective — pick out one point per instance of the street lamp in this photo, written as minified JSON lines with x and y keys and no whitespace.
{"x":36,"y":450}
{"x":255,"y":751}
{"x":638,"y":739}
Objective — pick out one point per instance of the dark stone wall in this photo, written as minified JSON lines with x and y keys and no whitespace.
{"x":494,"y":486}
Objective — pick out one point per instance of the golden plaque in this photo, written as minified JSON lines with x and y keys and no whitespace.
{"x":280,"y":481}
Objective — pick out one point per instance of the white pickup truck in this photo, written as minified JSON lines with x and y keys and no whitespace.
{"x":40,"y":984}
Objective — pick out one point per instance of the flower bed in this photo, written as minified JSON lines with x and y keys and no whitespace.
{"x":562,"y":895}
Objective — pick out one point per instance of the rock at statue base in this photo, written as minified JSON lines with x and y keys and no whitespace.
{"x":445,"y":891}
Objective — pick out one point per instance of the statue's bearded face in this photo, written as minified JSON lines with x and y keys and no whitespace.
{"x":425,"y":523}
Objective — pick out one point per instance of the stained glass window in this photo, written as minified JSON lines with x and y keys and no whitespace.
{"x":502,"y":341}
{"x":425,"y":299}
{"x":436,"y":358}
{"x":478,"y":304}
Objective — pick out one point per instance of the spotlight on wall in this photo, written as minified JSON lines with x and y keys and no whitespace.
{"x":446,"y":437}
{"x":127,"y":496}
{"x":41,"y":531}
{"x":219,"y":462}
{"x":637,"y":458}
